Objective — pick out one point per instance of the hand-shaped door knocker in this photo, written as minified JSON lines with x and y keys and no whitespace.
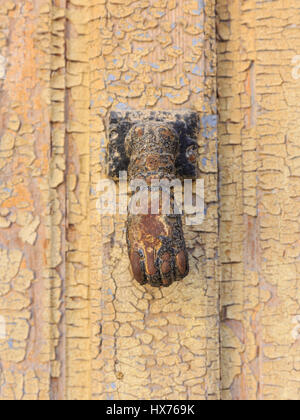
{"x":155,"y":148}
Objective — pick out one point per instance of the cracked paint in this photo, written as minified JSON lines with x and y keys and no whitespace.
{"x":259,"y":192}
{"x":140,"y":338}
{"x":30,"y":205}
{"x":76,"y":325}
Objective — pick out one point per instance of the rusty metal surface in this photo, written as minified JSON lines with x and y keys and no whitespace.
{"x":155,"y":145}
{"x":185,"y":123}
{"x":156,"y":243}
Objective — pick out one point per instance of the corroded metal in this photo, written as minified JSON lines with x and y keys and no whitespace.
{"x":157,"y":147}
{"x":185,"y":123}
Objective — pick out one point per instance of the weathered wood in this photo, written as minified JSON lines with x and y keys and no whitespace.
{"x":32,"y":199}
{"x":73,"y":323}
{"x":259,"y":92}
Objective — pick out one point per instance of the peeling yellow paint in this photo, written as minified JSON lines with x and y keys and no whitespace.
{"x":259,"y":227}
{"x":77,"y":325}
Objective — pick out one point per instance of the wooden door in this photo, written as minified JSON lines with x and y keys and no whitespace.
{"x":73,"y":322}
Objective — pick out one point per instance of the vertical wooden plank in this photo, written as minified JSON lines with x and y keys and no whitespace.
{"x":153,"y":343}
{"x":78,"y":331}
{"x":258,"y":84}
{"x":56,"y":205}
{"x":31,"y":198}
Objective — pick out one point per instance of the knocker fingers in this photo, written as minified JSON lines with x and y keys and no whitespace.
{"x":138,"y":266}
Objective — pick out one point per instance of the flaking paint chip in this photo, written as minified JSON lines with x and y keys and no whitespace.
{"x":14,"y":123}
{"x":7,"y":142}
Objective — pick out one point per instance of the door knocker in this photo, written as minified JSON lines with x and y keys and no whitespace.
{"x":155,"y":148}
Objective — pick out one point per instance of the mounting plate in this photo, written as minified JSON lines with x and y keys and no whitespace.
{"x":185,"y":123}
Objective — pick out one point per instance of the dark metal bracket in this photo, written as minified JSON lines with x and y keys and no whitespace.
{"x":185,"y":123}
